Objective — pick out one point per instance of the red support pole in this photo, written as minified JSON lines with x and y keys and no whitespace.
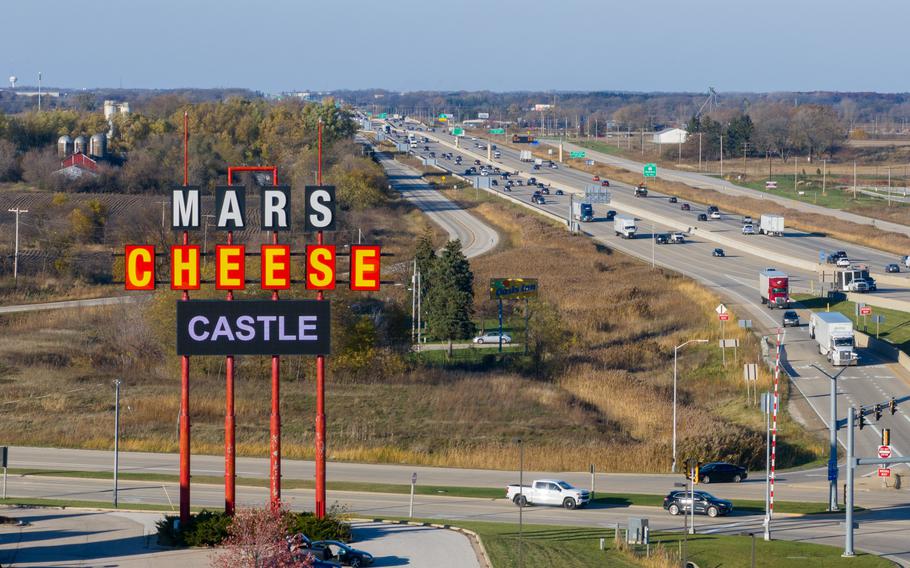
{"x":320,"y":377}
{"x":229,"y":423}
{"x":275,"y":422}
{"x":185,"y":375}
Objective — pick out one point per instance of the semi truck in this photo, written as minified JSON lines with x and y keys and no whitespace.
{"x":771,"y":225}
{"x":548,"y":492}
{"x":774,"y":286}
{"x":521,"y":139}
{"x":525,"y":156}
{"x":583,"y":212}
{"x":833,"y":331}
{"x":624,"y":226}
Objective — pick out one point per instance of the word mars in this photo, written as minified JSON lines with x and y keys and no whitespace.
{"x":275,"y":259}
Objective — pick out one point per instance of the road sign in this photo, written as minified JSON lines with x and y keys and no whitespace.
{"x":884,"y":452}
{"x":589,"y":162}
{"x":383,"y":115}
{"x":497,"y":131}
{"x":750,"y":371}
{"x":832,"y":471}
{"x":721,"y":309}
{"x":576,"y":154}
{"x":745,"y":324}
{"x":650,"y":170}
{"x":865,"y":311}
{"x":414,"y":477}
{"x":884,"y":472}
{"x":728,"y":343}
{"x":723,"y":317}
{"x":770,"y":185}
{"x":458,"y":132}
{"x":597,"y":194}
{"x":878,"y":319}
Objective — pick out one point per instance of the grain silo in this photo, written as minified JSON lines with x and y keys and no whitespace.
{"x":80,"y":144}
{"x":97,"y":146}
{"x":64,"y":146}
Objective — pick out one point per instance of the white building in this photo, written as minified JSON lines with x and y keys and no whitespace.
{"x":670,"y":136}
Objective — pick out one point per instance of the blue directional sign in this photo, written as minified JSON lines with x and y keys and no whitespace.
{"x":832,"y":471}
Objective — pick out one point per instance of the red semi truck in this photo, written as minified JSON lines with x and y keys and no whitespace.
{"x":774,"y":286}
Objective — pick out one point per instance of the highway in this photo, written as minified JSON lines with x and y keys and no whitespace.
{"x":735,"y":278}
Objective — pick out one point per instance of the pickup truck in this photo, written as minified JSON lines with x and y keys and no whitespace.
{"x":548,"y":492}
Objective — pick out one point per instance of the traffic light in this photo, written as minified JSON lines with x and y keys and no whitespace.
{"x":878,"y":412}
{"x":695,"y":474}
{"x":862,"y":419}
{"x":892,"y":406}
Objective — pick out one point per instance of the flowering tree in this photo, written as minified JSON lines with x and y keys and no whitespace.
{"x":257,"y":539}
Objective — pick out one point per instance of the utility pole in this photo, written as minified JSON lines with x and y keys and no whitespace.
{"x":39,"y":91}
{"x":854,"y":179}
{"x":413,"y":301}
{"x":795,"y":171}
{"x":848,"y":517}
{"x":653,"y":240}
{"x":889,"y":186}
{"x":721,"y":156}
{"x":745,"y":149}
{"x":832,"y":439}
{"x":699,"y":151}
{"x":419,"y":298}
{"x":116,"y":437}
{"x":824,"y":175}
{"x":17,"y":211}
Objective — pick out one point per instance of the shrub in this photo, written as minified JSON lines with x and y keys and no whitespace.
{"x":332,"y":527}
{"x":205,"y":528}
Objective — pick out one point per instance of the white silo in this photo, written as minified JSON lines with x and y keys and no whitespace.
{"x":97,"y":146}
{"x":64,"y":146}
{"x":80,"y":144}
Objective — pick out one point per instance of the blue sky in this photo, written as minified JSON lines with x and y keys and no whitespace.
{"x":502,"y":45}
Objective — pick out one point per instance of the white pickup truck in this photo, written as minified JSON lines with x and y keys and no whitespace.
{"x":548,"y":492}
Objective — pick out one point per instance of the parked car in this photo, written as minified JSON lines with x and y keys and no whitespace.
{"x":715,"y":472}
{"x":892,"y":268}
{"x":748,"y":230}
{"x":685,"y":207}
{"x":344,"y":554}
{"x":790,"y":319}
{"x":718,"y":252}
{"x":492,"y":337}
{"x":672,"y":200}
{"x":702,"y":217}
{"x":679,"y":501}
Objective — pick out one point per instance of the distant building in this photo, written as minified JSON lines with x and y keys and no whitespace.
{"x":113,"y":107}
{"x":670,"y":136}
{"x":77,"y":166}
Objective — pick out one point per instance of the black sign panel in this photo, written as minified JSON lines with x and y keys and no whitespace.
{"x":185,"y":208}
{"x":230,"y":207}
{"x":320,"y":208}
{"x":253,"y":327}
{"x":275,"y":208}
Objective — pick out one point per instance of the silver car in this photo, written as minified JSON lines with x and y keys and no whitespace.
{"x":492,"y":337}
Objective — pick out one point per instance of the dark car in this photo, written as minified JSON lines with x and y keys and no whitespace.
{"x":702,"y":217}
{"x":493,"y":182}
{"x":790,"y":318}
{"x":892,"y":268}
{"x":712,"y":208}
{"x":662,"y":239}
{"x":673,"y":200}
{"x":718,"y":252}
{"x":544,"y":189}
{"x":539,"y":200}
{"x":715,"y":472}
{"x":679,"y":501}
{"x":559,"y":192}
{"x":605,"y":183}
{"x":344,"y":554}
{"x":536,"y":166}
{"x":532,"y":181}
{"x":610,"y":215}
{"x":685,"y":207}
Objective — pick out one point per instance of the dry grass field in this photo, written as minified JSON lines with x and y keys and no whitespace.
{"x":607,"y":402}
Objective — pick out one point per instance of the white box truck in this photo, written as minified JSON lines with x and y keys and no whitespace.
{"x":583,"y":212}
{"x":525,"y":156}
{"x":772,"y":225}
{"x":624,"y":226}
{"x":833,"y":331}
{"x":538,"y":161}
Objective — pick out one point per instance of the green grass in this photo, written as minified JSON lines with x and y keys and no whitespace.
{"x":603,"y":499}
{"x":895,"y":329}
{"x":811,"y":186}
{"x":599,"y":146}
{"x":571,"y":547}
{"x":33,"y":502}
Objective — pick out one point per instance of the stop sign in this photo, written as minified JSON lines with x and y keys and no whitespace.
{"x":884,"y":452}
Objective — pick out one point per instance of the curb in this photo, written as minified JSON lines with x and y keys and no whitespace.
{"x":473,"y":537}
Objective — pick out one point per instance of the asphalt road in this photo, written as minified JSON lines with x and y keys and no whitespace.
{"x":735,"y":278}
{"x":114,"y":300}
{"x":696,"y":179}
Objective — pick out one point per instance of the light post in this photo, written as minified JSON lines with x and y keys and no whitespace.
{"x":521,"y":498}
{"x":832,"y":439}
{"x":675,"y":358}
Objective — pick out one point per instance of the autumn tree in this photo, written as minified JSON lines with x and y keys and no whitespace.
{"x":257,"y":539}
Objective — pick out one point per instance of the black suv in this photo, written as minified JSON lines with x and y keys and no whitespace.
{"x":721,"y":471}
{"x":791,"y":318}
{"x":678,"y":501}
{"x":662,"y":239}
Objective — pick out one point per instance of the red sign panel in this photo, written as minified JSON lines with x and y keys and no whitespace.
{"x":884,"y":452}
{"x":884,"y":472}
{"x":865,"y":311}
{"x":723,"y":317}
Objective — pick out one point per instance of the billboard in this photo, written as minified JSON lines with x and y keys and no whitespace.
{"x":541,"y":107}
{"x":483,"y":115}
{"x":253,"y":327}
{"x":512,"y":288}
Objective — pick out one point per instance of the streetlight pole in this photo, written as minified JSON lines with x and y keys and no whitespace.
{"x":675,"y":358}
{"x":521,"y":499}
{"x":832,"y":438}
{"x":17,"y":211}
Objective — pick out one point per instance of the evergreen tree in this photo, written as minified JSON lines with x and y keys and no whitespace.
{"x":450,"y":299}
{"x":425,"y":255}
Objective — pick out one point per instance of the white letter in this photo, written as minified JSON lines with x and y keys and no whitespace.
{"x":316,"y":202}
{"x":303,"y":327}
{"x":275,"y":202}
{"x":185,"y":208}
{"x":282,"y":336}
{"x":192,"y":328}
{"x":245,"y":325}
{"x":266,"y":320}
{"x":230,"y":210}
{"x":222,"y":328}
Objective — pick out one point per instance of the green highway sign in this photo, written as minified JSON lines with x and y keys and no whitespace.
{"x":650,"y":170}
{"x":458,"y":132}
{"x":383,"y":115}
{"x":576,"y":154}
{"x":497,"y":131}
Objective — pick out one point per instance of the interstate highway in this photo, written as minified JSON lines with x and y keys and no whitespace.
{"x":736,"y":279}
